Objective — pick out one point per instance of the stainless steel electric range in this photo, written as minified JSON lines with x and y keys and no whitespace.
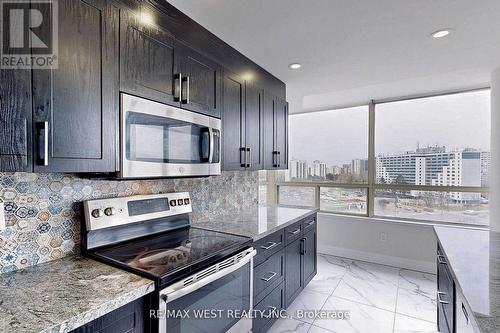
{"x":194,"y":269}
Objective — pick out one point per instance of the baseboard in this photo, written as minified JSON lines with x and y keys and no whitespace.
{"x":417,"y":265}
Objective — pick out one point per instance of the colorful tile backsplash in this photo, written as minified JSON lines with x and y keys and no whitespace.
{"x":43,"y":212}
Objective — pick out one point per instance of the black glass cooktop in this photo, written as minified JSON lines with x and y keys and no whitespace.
{"x":174,"y":254}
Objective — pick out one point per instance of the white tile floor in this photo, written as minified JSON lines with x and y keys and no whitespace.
{"x":381,"y":299}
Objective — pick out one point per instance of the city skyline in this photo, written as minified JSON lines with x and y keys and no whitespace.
{"x":430,"y":165}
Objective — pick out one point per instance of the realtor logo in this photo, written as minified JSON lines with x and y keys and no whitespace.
{"x":28,"y":34}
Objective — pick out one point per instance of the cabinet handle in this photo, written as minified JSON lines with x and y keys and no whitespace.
{"x":439,"y":294}
{"x":186,"y":95}
{"x":248,"y":162}
{"x":310,"y":223}
{"x":279,"y":159}
{"x":177,"y":87}
{"x":294,"y":232}
{"x":273,"y":274}
{"x":43,"y":142}
{"x":464,"y":310}
{"x":270,"y":246}
{"x":302,"y":246}
{"x":441,"y":259}
{"x":243,"y":157}
{"x":275,"y":159}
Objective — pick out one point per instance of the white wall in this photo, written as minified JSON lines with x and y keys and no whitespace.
{"x":405,"y":245}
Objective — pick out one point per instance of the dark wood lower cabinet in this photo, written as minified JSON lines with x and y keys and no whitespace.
{"x":445,"y":295}
{"x":127,"y":319}
{"x":293,"y":270}
{"x":300,"y":266}
{"x":273,"y":302}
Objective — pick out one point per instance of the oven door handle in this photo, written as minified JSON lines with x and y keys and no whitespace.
{"x":211,"y":139}
{"x":170,"y":294}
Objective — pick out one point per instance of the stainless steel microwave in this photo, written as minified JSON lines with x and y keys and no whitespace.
{"x":159,"y":140}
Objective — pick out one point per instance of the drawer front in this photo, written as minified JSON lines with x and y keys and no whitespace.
{"x":272,"y":302}
{"x":446,"y":294}
{"x":293,"y":232}
{"x":309,"y":223}
{"x":268,"y":246}
{"x":268,"y":275}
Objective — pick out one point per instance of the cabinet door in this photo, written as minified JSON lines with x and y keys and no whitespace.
{"x":309,"y":256}
{"x":201,"y":83}
{"x":293,"y":270}
{"x":76,"y":105}
{"x":15,"y":120}
{"x":270,"y":155}
{"x":281,"y":129}
{"x":233,"y":123}
{"x":148,"y":61}
{"x":254,"y":129}
{"x":126,"y":319}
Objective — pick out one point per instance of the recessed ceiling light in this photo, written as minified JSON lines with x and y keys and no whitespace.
{"x":441,"y":33}
{"x":295,"y":65}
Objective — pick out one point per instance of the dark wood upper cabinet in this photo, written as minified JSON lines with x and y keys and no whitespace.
{"x":15,"y":120}
{"x":275,"y":133}
{"x":201,"y":81}
{"x":254,"y":126}
{"x":233,"y":116}
{"x":242,"y":124}
{"x":149,"y":61}
{"x":281,"y":129}
{"x":75,"y":107}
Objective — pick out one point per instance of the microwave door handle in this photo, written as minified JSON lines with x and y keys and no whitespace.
{"x":211,"y":140}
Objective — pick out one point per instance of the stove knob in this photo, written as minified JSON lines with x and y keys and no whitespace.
{"x":110,"y":211}
{"x":173,"y":203}
{"x":97,"y":213}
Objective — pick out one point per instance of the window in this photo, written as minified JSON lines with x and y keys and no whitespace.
{"x":430,"y":160}
{"x":318,"y":153}
{"x":318,"y":146}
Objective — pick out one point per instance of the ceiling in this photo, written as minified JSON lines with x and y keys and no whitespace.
{"x":353,"y":51}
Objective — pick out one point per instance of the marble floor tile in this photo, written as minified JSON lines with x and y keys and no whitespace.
{"x":417,"y":295}
{"x":289,"y":326}
{"x":370,"y":284}
{"x":363,"y":318}
{"x":405,"y":324}
{"x":317,"y":329}
{"x":309,"y":301}
{"x":330,"y":271}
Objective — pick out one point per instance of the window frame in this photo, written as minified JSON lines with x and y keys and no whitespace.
{"x":371,"y":186}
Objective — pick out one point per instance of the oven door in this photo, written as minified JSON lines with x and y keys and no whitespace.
{"x":159,"y":140}
{"x":212,"y":300}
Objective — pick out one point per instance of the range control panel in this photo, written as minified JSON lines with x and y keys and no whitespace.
{"x":105,"y":213}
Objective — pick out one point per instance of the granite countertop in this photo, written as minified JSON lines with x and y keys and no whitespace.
{"x":62,"y":295}
{"x":258,"y":222}
{"x":474,"y":259}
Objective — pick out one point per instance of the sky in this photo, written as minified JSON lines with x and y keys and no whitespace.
{"x":338,"y":136}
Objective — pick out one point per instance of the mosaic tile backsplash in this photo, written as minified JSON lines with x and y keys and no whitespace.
{"x":43,"y":212}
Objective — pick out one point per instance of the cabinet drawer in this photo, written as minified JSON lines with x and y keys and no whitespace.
{"x":267,"y":246}
{"x":272,"y":302}
{"x":446,"y":294}
{"x":309,"y":223}
{"x":268,"y":275}
{"x":293,"y":232}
